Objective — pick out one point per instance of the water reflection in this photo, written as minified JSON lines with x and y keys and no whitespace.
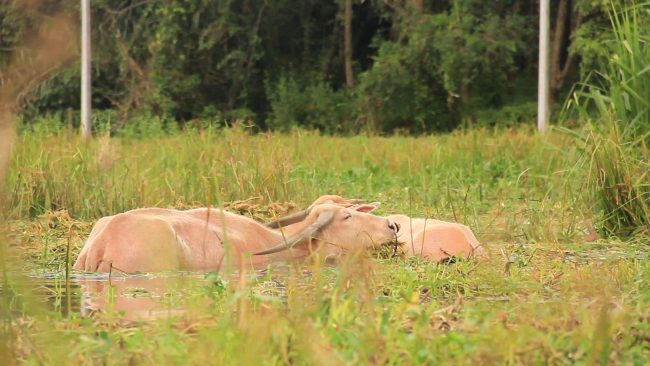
{"x":53,"y":291}
{"x":143,"y":296}
{"x":132,"y":297}
{"x":136,"y":297}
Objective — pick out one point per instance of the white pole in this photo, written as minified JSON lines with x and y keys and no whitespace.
{"x":85,"y":71}
{"x":543,"y":79}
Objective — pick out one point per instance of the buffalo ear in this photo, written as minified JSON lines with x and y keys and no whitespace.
{"x":367,"y":207}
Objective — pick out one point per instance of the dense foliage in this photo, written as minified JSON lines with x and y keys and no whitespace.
{"x":418,"y":65}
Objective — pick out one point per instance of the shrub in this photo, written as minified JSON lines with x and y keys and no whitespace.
{"x":296,"y":103}
{"x":507,"y":115}
{"x":147,"y":125}
{"x":400,"y":92}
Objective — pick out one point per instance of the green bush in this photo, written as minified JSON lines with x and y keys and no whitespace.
{"x":148,"y":125}
{"x":49,"y":124}
{"x":507,"y":115}
{"x":400,"y":92}
{"x":309,"y":105}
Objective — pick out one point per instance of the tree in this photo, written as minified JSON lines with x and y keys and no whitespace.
{"x":401,"y":64}
{"x":347,"y":40}
{"x":562,"y":60}
{"x":418,"y":5}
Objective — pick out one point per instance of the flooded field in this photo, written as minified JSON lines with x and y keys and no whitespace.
{"x":554,"y":289}
{"x":134,"y":297}
{"x":141,"y":297}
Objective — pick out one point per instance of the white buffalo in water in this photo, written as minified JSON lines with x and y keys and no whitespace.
{"x":157,"y":239}
{"x":430,"y":239}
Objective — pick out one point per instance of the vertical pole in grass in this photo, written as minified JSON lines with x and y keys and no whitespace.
{"x":543,"y":78}
{"x":85,"y":71}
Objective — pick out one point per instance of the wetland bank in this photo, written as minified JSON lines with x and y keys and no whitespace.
{"x":554,"y":289}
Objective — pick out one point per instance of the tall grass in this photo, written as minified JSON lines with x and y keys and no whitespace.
{"x":461,"y":177}
{"x":619,"y":174}
{"x":542,"y":297}
{"x":561,"y":305}
{"x":618,"y":92}
{"x":617,"y":99}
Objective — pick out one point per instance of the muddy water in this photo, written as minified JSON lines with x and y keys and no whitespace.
{"x":139,"y":297}
{"x":132,"y":297}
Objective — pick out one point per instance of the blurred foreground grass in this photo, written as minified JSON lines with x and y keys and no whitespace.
{"x":553,"y":291}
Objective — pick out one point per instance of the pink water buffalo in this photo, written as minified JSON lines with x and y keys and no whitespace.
{"x":157,"y":239}
{"x":430,"y":239}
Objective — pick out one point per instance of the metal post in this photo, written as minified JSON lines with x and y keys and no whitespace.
{"x":543,"y":78}
{"x":85,"y":71}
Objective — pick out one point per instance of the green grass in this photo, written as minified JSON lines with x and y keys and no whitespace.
{"x":551,"y":292}
{"x":515,"y":178}
{"x":617,"y":93}
{"x":615,"y":100}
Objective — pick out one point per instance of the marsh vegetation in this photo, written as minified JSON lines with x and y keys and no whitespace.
{"x":556,"y":288}
{"x":564,"y":216}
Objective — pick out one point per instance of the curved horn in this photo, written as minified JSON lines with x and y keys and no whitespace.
{"x":324,"y":219}
{"x":288,"y":220}
{"x":301,"y":215}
